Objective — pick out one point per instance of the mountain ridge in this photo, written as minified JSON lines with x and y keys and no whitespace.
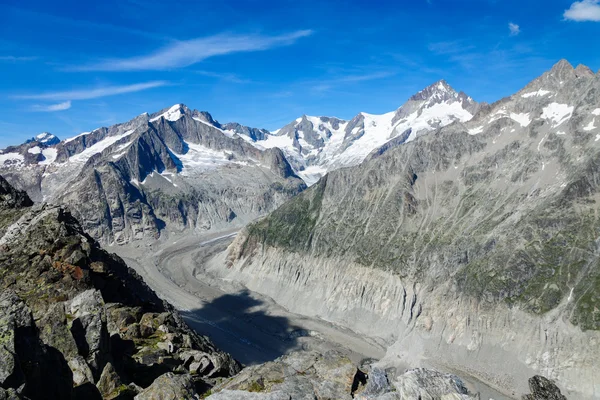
{"x":468,"y":247}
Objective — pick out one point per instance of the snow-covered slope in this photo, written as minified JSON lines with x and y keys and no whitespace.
{"x":316,"y":145}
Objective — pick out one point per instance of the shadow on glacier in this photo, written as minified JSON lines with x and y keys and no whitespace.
{"x":237,"y":324}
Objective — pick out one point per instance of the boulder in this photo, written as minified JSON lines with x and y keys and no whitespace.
{"x":89,"y":328}
{"x":81,"y":371}
{"x":109,"y":382}
{"x":8,"y":394}
{"x":26,"y":364}
{"x":543,"y":389}
{"x":169,"y":387}
{"x":425,"y":384}
{"x":376,"y":386}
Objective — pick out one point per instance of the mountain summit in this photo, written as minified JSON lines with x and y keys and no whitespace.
{"x":316,"y":145}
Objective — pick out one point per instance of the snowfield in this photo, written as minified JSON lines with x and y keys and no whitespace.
{"x":557,"y":113}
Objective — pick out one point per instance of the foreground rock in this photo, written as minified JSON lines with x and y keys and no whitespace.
{"x":76,"y":322}
{"x":310,"y":375}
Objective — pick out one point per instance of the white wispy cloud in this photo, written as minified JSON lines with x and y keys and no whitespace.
{"x":52,"y":107}
{"x":450,"y":47}
{"x":92,"y":93}
{"x":585,"y":10}
{"x":514,"y":29}
{"x":188,"y":52}
{"x":223,"y":76}
{"x":18,"y":58}
{"x":327,"y":84}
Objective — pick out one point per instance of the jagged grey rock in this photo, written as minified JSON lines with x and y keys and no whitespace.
{"x":109,"y":381}
{"x":298,"y":375}
{"x":60,"y":293}
{"x":431,"y":385}
{"x":169,"y":387}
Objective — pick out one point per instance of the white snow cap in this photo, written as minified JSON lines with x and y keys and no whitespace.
{"x":45,"y":137}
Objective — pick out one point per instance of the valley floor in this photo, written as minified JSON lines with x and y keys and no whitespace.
{"x":251,"y":327}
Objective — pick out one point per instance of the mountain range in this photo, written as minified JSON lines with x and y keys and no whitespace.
{"x":462,"y":235}
{"x":180,"y":169}
{"x":475,"y":247}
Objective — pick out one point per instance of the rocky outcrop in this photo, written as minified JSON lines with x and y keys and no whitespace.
{"x":12,"y":198}
{"x":170,"y":387}
{"x":76,"y":322}
{"x":311,"y":375}
{"x":463,"y":247}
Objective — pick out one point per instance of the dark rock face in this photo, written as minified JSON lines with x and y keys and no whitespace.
{"x":12,"y":198}
{"x":252,"y":133}
{"x":543,"y":389}
{"x":76,"y":321}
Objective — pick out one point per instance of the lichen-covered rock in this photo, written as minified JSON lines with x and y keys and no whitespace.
{"x":109,"y":382}
{"x":170,"y":387}
{"x":36,"y":370}
{"x":81,"y":371}
{"x":299,"y":375}
{"x":10,"y":394}
{"x":70,"y":315}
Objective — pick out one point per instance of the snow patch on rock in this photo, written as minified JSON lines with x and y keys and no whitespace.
{"x":557,"y":113}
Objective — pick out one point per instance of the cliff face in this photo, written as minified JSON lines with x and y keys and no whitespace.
{"x":76,"y":322}
{"x":475,"y":247}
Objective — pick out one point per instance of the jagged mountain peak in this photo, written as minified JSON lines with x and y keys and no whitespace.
{"x":561,"y":65}
{"x":583,"y":70}
{"x":47,"y":139}
{"x":438,"y":91}
{"x":555,"y":80}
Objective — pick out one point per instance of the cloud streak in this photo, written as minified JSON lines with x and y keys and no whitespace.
{"x":326,"y":85}
{"x":52,"y":107}
{"x":181,"y":54}
{"x":17,"y":58}
{"x":514,"y":29}
{"x":93,"y":93}
{"x":451,"y":47}
{"x":585,"y":10}
{"x":233,"y":78}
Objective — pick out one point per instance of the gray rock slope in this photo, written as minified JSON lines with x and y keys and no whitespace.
{"x":77,"y":323}
{"x":315,"y":145}
{"x":474,"y":248}
{"x":174,"y":170}
{"x":309,"y":375}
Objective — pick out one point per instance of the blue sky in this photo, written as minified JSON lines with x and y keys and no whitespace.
{"x":72,"y":66}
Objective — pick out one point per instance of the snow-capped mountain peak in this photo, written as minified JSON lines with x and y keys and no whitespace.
{"x":315,"y":145}
{"x":439,"y":91}
{"x":47,"y":139}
